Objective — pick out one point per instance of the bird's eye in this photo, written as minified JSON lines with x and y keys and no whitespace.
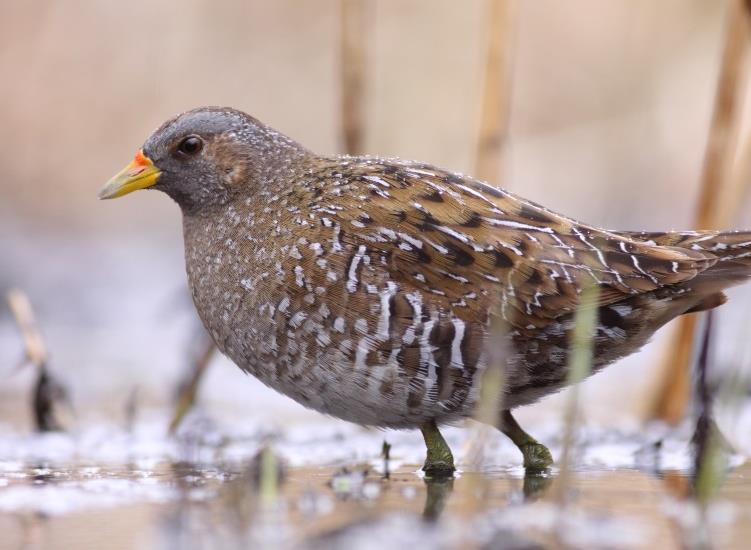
{"x":190,"y":146}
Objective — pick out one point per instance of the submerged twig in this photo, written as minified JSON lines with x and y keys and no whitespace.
{"x":709,"y":460}
{"x":386,"y":455}
{"x":131,"y":409}
{"x":47,"y":390}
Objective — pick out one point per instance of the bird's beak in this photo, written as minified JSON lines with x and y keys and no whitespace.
{"x":139,"y":174}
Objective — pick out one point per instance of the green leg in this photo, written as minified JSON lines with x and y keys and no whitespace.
{"x":440,"y":461}
{"x":537,"y":457}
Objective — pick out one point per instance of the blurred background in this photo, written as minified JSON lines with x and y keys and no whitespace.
{"x":609,"y":111}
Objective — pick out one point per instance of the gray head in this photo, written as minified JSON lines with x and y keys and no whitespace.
{"x":204,"y":157}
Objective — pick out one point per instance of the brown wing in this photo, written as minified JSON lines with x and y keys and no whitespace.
{"x":471,"y":244}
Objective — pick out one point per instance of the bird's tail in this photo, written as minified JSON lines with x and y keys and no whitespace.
{"x":731,"y":248}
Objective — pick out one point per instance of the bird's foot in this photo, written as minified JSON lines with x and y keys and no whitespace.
{"x":537,"y":457}
{"x":437,"y":468}
{"x":440,"y":461}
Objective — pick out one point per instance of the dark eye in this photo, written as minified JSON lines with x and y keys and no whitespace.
{"x":190,"y":145}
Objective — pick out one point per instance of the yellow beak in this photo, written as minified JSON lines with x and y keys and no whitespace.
{"x":139,"y":174}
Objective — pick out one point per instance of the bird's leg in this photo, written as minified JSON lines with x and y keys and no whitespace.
{"x":537,"y":457}
{"x":440,"y":461}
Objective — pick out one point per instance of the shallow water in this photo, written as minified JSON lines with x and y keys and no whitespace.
{"x":325,"y":486}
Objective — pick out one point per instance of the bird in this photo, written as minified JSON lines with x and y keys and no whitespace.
{"x":380,"y":290}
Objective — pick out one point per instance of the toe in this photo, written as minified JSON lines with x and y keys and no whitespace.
{"x":438,"y":469}
{"x":537,"y":457}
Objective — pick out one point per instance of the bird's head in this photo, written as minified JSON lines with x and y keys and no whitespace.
{"x":204,"y":157}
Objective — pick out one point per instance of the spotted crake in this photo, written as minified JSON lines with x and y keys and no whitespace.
{"x":365,"y":287}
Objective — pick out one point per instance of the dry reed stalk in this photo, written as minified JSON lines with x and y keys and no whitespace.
{"x":581,"y":352}
{"x":34,"y":347}
{"x":474,"y":488}
{"x":492,"y":133}
{"x":47,"y":390}
{"x":353,"y":66}
{"x":496,"y":97}
{"x":740,"y":182}
{"x":490,"y":400}
{"x":672,"y":397}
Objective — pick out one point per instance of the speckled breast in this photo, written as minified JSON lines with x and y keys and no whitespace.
{"x":322,"y":322}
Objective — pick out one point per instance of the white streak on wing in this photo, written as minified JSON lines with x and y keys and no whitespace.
{"x":389,"y":233}
{"x":635,"y":261}
{"x":376,"y":179}
{"x":459,"y":278}
{"x":736,"y":257}
{"x":563,"y":245}
{"x":453,"y":233}
{"x":421,"y":172}
{"x":456,"y":344}
{"x":438,"y":247}
{"x":583,"y":239}
{"x":378,"y":191}
{"x":474,"y":193}
{"x":518,"y":225}
{"x":511,"y":247}
{"x":417,"y":243}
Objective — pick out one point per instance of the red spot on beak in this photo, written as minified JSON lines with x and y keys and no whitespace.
{"x":139,"y":163}
{"x":140,"y":159}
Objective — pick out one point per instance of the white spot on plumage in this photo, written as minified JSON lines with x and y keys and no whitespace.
{"x":352,"y":274}
{"x":299,"y":276}
{"x":361,"y":326}
{"x":382,"y":332}
{"x":339,"y":325}
{"x":297,"y":319}
{"x":456,"y":344}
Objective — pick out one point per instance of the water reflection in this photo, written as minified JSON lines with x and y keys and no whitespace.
{"x":437,"y":493}
{"x":209,"y":504}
